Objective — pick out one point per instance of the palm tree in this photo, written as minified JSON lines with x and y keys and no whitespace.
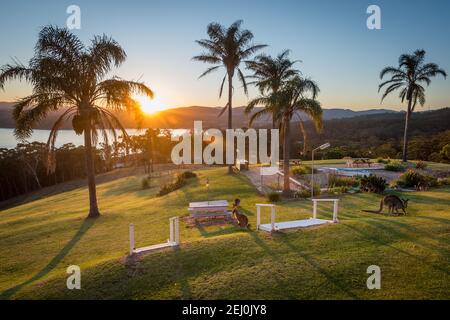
{"x":296,"y":95}
{"x":227,"y":47}
{"x":409,"y":78}
{"x":68,"y":76}
{"x":271,"y":73}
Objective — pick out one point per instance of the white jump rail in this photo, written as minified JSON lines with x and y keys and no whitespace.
{"x":174,"y":238}
{"x":294,"y":224}
{"x":335,"y":207}
{"x":258,"y":215}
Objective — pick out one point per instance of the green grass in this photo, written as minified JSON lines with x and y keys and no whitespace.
{"x":40,"y":239}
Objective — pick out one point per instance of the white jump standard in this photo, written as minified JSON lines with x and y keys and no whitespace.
{"x":174,"y":238}
{"x":275,"y":226}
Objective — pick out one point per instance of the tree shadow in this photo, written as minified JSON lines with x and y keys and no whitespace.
{"x":273,"y":255}
{"x":315,"y":265}
{"x":222,"y":231}
{"x":395,"y":232}
{"x":182,"y":277}
{"x":418,"y":231}
{"x":435,"y":219}
{"x":85,"y":226}
{"x":386,"y":243}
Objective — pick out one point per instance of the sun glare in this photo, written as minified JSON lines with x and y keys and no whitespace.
{"x":150,"y":106}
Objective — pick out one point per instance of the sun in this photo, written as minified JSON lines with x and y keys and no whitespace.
{"x":150,"y":106}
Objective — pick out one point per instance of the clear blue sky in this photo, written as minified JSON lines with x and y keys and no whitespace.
{"x":330,"y":37}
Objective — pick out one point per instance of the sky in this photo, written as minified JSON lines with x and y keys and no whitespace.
{"x":331,"y":39}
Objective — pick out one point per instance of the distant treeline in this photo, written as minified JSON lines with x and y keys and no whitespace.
{"x":379,"y":136}
{"x":26,"y":167}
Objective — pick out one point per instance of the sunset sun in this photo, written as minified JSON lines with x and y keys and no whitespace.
{"x":150,"y":106}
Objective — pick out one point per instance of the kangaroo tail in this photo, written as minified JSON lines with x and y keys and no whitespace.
{"x":371,"y":211}
{"x":379,"y":210}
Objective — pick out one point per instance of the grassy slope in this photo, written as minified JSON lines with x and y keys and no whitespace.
{"x":38,"y":240}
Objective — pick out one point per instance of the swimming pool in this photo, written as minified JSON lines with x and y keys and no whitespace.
{"x":348,"y":171}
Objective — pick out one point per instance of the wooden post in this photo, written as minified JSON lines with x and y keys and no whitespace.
{"x":335,"y":210}
{"x":131,"y":239}
{"x":272,"y":218}
{"x":314,"y":208}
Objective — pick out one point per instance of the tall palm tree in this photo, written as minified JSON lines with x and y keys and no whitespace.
{"x":296,"y":95}
{"x":271,"y":73}
{"x":227,"y":47}
{"x":409,"y":78}
{"x":68,"y":76}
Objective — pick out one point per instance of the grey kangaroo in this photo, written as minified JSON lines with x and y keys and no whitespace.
{"x":241,"y":218}
{"x":393,"y":202}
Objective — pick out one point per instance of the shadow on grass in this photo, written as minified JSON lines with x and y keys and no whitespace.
{"x":327,"y":274}
{"x":387,"y":243}
{"x":221,"y":232}
{"x":417,"y":231}
{"x":394,"y":231}
{"x":85,"y":226}
{"x":435,"y":219}
{"x":181,"y":276}
{"x":273,"y":255}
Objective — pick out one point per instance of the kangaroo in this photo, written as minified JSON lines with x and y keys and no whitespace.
{"x":241,"y":218}
{"x":394,"y":203}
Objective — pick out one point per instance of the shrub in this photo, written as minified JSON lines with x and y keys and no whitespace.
{"x":180,"y":181}
{"x":421,"y":165}
{"x":188,"y":175}
{"x":337,"y":190}
{"x":395,"y":166}
{"x":145,"y":183}
{"x":383,"y":161}
{"x":306,"y":193}
{"x":273,"y":196}
{"x":372,"y":183}
{"x":340,"y":181}
{"x":413,"y":179}
{"x":299,"y":170}
{"x":443,"y":181}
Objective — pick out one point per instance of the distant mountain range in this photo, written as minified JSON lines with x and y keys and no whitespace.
{"x":184,"y":117}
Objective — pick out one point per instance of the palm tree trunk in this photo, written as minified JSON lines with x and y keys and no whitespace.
{"x":230,"y":114}
{"x":90,"y":171}
{"x":302,"y":129}
{"x":405,"y":133}
{"x":286,"y":140}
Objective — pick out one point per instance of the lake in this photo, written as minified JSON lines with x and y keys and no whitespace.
{"x":8,"y":140}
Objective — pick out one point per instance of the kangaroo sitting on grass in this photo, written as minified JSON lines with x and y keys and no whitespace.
{"x":393,"y":202}
{"x":241,"y":218}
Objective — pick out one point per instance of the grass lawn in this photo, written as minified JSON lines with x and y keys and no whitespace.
{"x":40,"y":239}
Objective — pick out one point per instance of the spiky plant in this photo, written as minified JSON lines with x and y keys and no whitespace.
{"x":70,"y":77}
{"x":227,"y":47}
{"x":409,"y":78}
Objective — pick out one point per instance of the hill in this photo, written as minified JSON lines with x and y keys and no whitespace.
{"x":184,"y":117}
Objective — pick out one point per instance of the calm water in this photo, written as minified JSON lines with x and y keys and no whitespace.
{"x":7,"y":139}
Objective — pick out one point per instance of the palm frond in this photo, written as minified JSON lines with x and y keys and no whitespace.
{"x":242,"y":79}
{"x":208,"y":71}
